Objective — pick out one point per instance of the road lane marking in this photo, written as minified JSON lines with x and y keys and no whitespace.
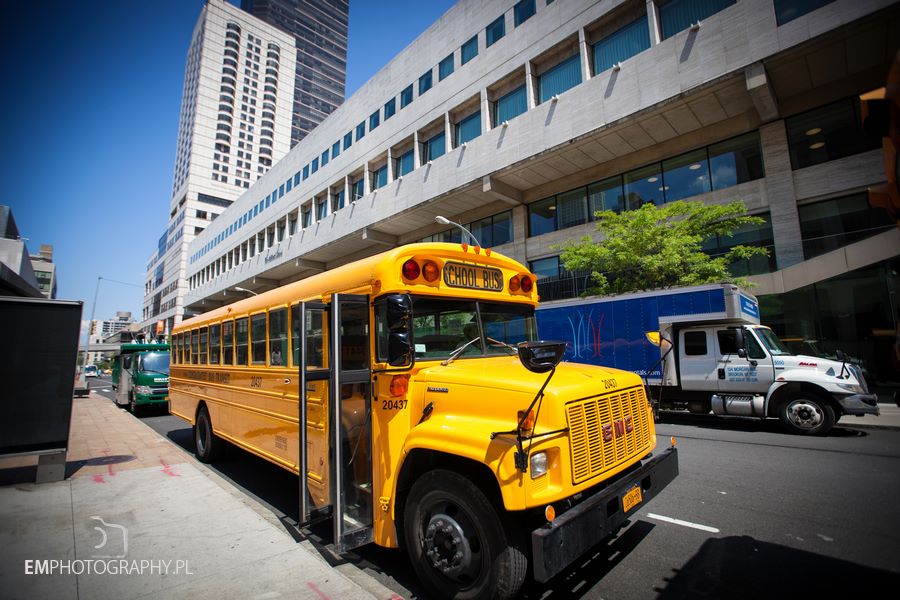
{"x":683,"y":523}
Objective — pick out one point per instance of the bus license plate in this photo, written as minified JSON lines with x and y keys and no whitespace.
{"x":631,"y":498}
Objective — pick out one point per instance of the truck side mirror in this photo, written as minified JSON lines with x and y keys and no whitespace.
{"x":742,"y":352}
{"x":126,"y":361}
{"x":740,"y":342}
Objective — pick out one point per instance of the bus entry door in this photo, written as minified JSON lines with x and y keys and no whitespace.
{"x":314,"y":464}
{"x":351,"y":427}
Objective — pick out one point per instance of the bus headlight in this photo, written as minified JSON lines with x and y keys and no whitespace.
{"x":539,"y":464}
{"x":144,"y":390}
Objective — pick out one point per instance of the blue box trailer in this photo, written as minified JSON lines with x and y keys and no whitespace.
{"x":612,"y":331}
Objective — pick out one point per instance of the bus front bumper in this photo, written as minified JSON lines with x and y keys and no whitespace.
{"x":558,"y":544}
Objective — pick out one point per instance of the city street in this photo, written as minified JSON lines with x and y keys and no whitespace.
{"x":753,"y":512}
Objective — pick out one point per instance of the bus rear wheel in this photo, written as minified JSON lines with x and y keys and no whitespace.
{"x":209,"y":447}
{"x":456,"y":541}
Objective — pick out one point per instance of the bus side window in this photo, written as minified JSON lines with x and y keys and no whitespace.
{"x":295,"y":335}
{"x":227,"y":342}
{"x":240,"y":341}
{"x":195,"y":344}
{"x":258,"y":339}
{"x":204,"y":339}
{"x":277,"y":337}
{"x":214,"y":343}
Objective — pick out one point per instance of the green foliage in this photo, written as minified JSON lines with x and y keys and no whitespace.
{"x":657,"y":247}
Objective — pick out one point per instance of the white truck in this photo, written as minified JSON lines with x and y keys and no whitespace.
{"x":703,"y":349}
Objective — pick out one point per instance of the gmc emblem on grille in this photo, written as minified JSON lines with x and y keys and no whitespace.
{"x":620,"y":428}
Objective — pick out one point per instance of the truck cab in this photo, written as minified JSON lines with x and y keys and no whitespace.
{"x":141,"y":376}
{"x":741,"y":368}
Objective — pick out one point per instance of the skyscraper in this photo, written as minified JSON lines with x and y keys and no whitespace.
{"x":320,"y":30}
{"x":235,"y":123}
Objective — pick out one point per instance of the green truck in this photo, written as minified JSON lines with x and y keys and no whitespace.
{"x":140,"y":375}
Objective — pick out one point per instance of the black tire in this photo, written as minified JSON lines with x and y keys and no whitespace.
{"x":456,"y":541}
{"x":209,"y":447}
{"x":807,"y":414}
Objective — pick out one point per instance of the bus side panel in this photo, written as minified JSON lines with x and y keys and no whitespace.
{"x":183,"y":395}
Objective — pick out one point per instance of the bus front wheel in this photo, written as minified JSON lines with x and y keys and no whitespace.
{"x":456,"y":541}
{"x":209,"y":446}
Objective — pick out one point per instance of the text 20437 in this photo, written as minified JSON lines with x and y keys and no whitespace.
{"x":399,"y":404}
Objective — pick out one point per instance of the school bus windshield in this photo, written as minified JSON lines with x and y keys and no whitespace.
{"x":442,"y":326}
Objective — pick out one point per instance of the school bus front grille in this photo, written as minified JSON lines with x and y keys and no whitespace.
{"x":606,"y":430}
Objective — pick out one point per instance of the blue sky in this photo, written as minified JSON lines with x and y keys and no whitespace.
{"x":89,"y":117}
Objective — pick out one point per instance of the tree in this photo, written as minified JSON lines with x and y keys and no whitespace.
{"x":657,"y":247}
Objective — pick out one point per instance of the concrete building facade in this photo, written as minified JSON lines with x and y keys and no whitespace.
{"x":520,"y":119}
{"x":319,"y":28}
{"x":17,"y":277}
{"x":234,"y":125}
{"x":45,"y":270}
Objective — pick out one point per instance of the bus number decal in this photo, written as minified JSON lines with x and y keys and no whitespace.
{"x":256,"y":382}
{"x":393,"y":404}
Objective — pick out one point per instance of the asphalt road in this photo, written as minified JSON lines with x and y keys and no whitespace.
{"x":754,"y":512}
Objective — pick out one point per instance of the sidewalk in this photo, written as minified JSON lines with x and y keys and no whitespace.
{"x":155,"y":523}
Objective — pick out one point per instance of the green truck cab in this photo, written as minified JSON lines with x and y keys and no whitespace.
{"x":140,"y":375}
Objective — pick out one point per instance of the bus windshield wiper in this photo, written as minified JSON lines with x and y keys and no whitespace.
{"x":455,"y":354}
{"x":503,"y":344}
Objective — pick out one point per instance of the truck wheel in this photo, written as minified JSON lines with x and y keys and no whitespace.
{"x":807,"y":414}
{"x":209,"y":446}
{"x":456,"y":541}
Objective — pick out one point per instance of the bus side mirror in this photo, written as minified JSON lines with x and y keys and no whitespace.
{"x":126,"y":361}
{"x":540,"y":357}
{"x":399,"y":349}
{"x":399,"y":311}
{"x":398,"y":315}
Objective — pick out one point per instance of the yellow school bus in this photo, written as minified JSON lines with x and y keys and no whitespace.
{"x":410,"y":390}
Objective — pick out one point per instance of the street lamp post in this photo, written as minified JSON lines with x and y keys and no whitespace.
{"x":240,"y":289}
{"x":466,"y":232}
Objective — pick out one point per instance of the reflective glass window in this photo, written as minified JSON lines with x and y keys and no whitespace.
{"x":827,"y":133}
{"x":560,"y":78}
{"x":495,"y":31}
{"x":215,"y":341}
{"x":735,"y":161}
{"x":406,"y":96}
{"x":510,"y":105}
{"x":571,"y":208}
{"x":522,"y":11}
{"x":258,"y":339}
{"x":468,"y":128}
{"x":642,"y":186}
{"x":435,"y":146}
{"x":788,"y":10}
{"x":278,"y":337}
{"x":542,"y":216}
{"x":445,"y":68}
{"x":546,"y":267}
{"x":379,"y":177}
{"x":834,"y":223}
{"x":240,"y":341}
{"x":686,"y":175}
{"x":469,"y":50}
{"x":425,"y":82}
{"x":360,"y":131}
{"x":390,"y":107}
{"x":374,"y":120}
{"x":678,"y":15}
{"x":606,"y":195}
{"x":405,"y":163}
{"x":227,"y":342}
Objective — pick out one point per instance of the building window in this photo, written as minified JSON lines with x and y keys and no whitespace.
{"x":494,"y":230}
{"x":306,"y":217}
{"x":425,"y":82}
{"x":435,"y":146}
{"x":356,"y":189}
{"x":445,"y":68}
{"x":321,"y":209}
{"x":315,"y":165}
{"x":404,"y":164}
{"x":736,"y":161}
{"x":360,"y":131}
{"x":546,"y":267}
{"x":337,"y":200}
{"x":468,"y":128}
{"x":542,"y":216}
{"x":510,"y":106}
{"x":379,"y":177}
{"x":760,"y":236}
{"x":495,"y":31}
{"x":325,"y":158}
{"x":686,"y":175}
{"x":348,"y":140}
{"x":621,"y":45}
{"x":469,"y":50}
{"x":305,"y":172}
{"x":827,"y":133}
{"x":560,"y":78}
{"x":678,"y":15}
{"x":834,"y":223}
{"x":571,"y":208}
{"x":406,"y":96}
{"x":642,"y":186}
{"x":606,"y":195}
{"x":788,"y":10}
{"x":522,"y":11}
{"x":390,"y":107}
